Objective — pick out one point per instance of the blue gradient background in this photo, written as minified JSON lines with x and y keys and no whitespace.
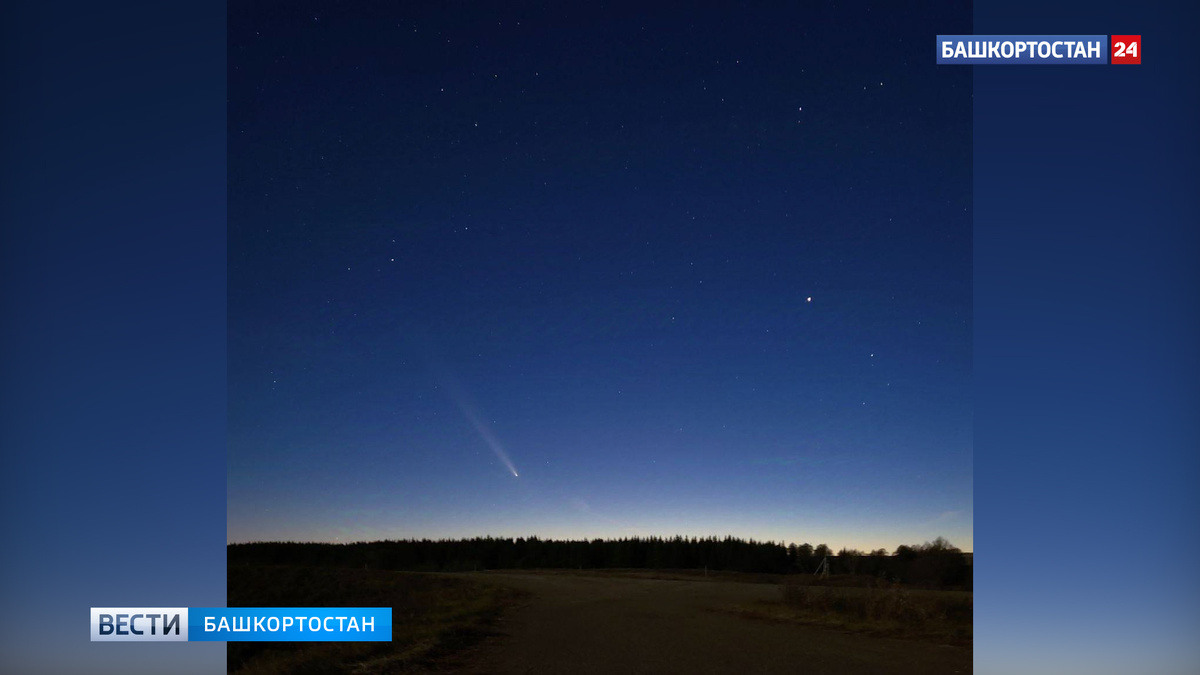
{"x":1087,"y":294}
{"x":112,"y":260}
{"x":112,"y":360}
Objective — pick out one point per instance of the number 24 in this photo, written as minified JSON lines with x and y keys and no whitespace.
{"x":1120,"y":49}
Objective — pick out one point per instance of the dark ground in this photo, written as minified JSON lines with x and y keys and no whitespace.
{"x":588,"y":624}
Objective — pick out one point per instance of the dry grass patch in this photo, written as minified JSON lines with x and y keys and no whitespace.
{"x":881,"y":609}
{"x":432,"y":616}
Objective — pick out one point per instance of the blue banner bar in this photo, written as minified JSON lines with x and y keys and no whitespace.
{"x":289,"y":624}
{"x":1022,"y":49}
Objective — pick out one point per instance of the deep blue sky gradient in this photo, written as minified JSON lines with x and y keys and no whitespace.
{"x":599,"y":230}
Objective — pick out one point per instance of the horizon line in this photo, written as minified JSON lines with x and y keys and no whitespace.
{"x":586,"y":540}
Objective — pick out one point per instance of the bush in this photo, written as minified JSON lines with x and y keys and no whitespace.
{"x":886,"y":606}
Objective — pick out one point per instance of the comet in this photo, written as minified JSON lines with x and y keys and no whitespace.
{"x":455,"y":393}
{"x":481,"y":427}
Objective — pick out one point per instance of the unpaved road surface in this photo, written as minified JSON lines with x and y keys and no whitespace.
{"x":579,"y":624}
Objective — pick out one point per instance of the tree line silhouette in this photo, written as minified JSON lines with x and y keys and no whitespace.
{"x":935,"y":563}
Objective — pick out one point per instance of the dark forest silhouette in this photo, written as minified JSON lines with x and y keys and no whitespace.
{"x":935,"y":563}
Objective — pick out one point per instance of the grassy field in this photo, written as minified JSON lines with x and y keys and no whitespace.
{"x":878,"y":609}
{"x":660,"y":574}
{"x":834,"y":581}
{"x":855,"y":603}
{"x":432,"y":616}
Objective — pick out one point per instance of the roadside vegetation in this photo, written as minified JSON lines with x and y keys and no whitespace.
{"x":432,"y":616}
{"x":872,"y":606}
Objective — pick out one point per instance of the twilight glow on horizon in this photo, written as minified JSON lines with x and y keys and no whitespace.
{"x":582,"y":272}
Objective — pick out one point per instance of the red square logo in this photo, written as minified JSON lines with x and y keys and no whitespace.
{"x":1125,"y":49}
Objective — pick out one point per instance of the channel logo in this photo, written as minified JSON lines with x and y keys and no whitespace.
{"x":1038,"y":49}
{"x":241,"y":624}
{"x":139,"y":624}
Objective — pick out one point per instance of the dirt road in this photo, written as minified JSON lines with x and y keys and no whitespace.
{"x":580,"y":624}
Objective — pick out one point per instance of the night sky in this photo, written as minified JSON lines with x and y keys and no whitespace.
{"x":685,"y":272}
